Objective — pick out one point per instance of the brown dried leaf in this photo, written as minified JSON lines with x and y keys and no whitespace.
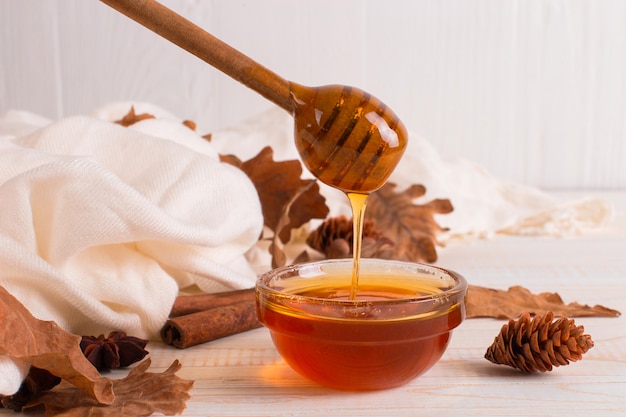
{"x":139,"y":394}
{"x":488,"y":302}
{"x":277,"y":183}
{"x":231,"y":159}
{"x":191,"y":125}
{"x":276,"y":248}
{"x":45,"y":345}
{"x":131,"y":118}
{"x":309,"y":205}
{"x":302,"y":257}
{"x":412,"y":227}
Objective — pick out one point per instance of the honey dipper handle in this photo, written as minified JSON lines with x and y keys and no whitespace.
{"x":205,"y":46}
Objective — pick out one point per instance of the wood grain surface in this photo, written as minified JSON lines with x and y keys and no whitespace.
{"x":242,"y":375}
{"x":534,"y":91}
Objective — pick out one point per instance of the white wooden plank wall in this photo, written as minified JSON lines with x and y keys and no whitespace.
{"x":533,"y":90}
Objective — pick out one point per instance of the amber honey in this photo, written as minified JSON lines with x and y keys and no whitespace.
{"x":396,"y":328}
{"x":346,"y":137}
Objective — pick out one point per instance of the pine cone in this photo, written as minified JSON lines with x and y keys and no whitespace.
{"x":334,"y":239}
{"x":538,"y":344}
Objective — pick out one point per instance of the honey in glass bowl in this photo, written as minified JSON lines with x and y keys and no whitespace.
{"x":396,"y":328}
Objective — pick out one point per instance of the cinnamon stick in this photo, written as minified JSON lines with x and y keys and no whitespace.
{"x":187,"y":304}
{"x":214,"y":316}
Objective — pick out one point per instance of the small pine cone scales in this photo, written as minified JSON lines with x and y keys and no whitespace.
{"x":537,"y":344}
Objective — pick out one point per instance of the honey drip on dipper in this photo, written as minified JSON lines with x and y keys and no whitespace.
{"x":346,"y":138}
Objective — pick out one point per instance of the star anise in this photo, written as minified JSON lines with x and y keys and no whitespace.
{"x":115,"y":351}
{"x":36,"y":382}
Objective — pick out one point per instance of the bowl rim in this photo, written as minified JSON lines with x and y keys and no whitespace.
{"x":446,"y":295}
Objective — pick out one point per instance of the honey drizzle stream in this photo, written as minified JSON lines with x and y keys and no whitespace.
{"x":358,"y":201}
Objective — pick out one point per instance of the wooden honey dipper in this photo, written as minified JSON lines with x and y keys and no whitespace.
{"x":346,"y":138}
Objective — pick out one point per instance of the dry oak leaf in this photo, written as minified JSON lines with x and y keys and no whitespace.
{"x":412,"y":227}
{"x":277,"y":183}
{"x":500,"y":304}
{"x":276,"y":248}
{"x":45,"y":345}
{"x":141,"y":393}
{"x":131,"y":118}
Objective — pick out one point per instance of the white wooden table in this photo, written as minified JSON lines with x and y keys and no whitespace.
{"x":242,"y":375}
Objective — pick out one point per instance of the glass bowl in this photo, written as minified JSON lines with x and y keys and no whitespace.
{"x":396,"y":328}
